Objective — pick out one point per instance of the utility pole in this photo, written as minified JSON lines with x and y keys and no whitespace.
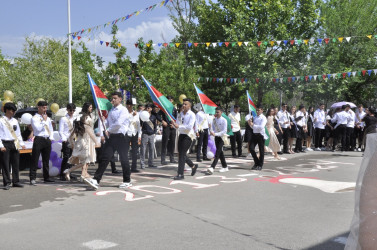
{"x":69,"y":53}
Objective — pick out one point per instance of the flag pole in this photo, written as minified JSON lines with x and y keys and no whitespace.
{"x":200,"y":100}
{"x":97,"y":105}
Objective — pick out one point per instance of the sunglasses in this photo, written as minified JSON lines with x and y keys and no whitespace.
{"x":71,"y":110}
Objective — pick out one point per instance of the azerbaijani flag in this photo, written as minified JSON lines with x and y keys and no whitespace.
{"x":251,"y":104}
{"x":209,"y":107}
{"x":253,"y":111}
{"x":103,"y":105}
{"x":160,"y":100}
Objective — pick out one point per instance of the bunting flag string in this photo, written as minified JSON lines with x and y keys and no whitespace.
{"x":293,"y":79}
{"x":88,"y":31}
{"x":262,"y":44}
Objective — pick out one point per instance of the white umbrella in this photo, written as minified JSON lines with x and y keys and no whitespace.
{"x":340,"y":104}
{"x":63,"y":111}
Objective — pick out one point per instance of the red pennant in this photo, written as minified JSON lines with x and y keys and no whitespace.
{"x":257,"y":80}
{"x":289,"y":79}
{"x":214,"y":79}
{"x":136,"y":45}
{"x":274,"y":79}
{"x":364,"y":71}
{"x":259,"y":43}
{"x":344,"y":75}
{"x":242,"y":80}
{"x":165,"y":45}
{"x":226,"y":44}
{"x":107,"y":44}
{"x":196,"y":44}
{"x":228,"y":80}
{"x":79,"y":37}
{"x":292,"y":42}
{"x":324,"y":77}
{"x":306,"y":78}
{"x":327,"y":40}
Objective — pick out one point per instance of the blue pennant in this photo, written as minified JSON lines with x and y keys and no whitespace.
{"x":220,"y":44}
{"x":189,"y":44}
{"x":319,"y":40}
{"x":285,"y":42}
{"x":101,"y":42}
{"x":349,"y":74}
{"x":369,"y":72}
{"x":293,"y":79}
{"x":310,"y":78}
{"x":329,"y":76}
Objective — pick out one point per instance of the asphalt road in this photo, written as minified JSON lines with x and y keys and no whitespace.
{"x":303,"y":202}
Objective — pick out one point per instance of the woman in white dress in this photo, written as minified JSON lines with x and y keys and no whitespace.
{"x":363,"y":232}
{"x":83,"y":141}
{"x":87,"y":110}
{"x":274,"y":145}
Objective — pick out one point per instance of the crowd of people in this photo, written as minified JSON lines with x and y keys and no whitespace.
{"x":123,"y":129}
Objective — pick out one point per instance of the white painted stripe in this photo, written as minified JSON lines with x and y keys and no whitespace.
{"x":99,"y":244}
{"x":341,"y":240}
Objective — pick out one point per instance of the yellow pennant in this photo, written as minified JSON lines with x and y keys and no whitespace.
{"x":208,"y":44}
{"x":369,"y":36}
{"x":137,"y":13}
{"x":306,"y":41}
{"x":89,"y":30}
{"x":177,"y":44}
{"x":119,"y":45}
{"x":123,"y":18}
{"x":162,"y":3}
{"x":240,"y":43}
{"x":340,"y":39}
{"x":272,"y":43}
{"x":148,"y":45}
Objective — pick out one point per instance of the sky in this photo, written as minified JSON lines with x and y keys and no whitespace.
{"x":48,"y":18}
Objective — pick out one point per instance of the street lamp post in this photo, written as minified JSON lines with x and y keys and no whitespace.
{"x":69,"y":53}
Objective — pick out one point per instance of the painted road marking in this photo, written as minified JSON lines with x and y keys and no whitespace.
{"x":99,"y":244}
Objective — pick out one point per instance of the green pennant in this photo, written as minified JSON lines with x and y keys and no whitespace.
{"x":339,"y":75}
{"x":375,"y":36}
{"x":233,"y":44}
{"x":302,"y":78}
{"x":285,"y":79}
{"x":239,"y":80}
{"x":299,"y":42}
{"x":358,"y":73}
{"x":141,"y":45}
{"x":171,"y":45}
{"x":265,"y":43}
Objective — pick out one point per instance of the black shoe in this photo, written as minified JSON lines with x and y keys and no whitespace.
{"x":280,"y":153}
{"x":115,"y":172}
{"x":296,"y":151}
{"x":17,"y":184}
{"x":62,"y":178}
{"x":7,"y":187}
{"x":286,"y":152}
{"x":164,"y":163}
{"x":48,"y":180}
{"x":255,"y":167}
{"x":234,"y":156}
{"x":173,"y":161}
{"x":206,"y":159}
{"x":178,"y":177}
{"x":73,"y":178}
{"x":198,"y":160}
{"x":303,"y":151}
{"x":152,"y":166}
{"x":135,"y":171}
{"x":193,"y":170}
{"x":241,"y":156}
{"x":259,"y":168}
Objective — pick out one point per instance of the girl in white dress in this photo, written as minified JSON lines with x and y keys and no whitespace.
{"x":274,"y":145}
{"x":83,"y":141}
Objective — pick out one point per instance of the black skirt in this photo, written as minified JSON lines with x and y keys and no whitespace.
{"x":310,"y":128}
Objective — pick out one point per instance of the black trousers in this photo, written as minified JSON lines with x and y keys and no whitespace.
{"x":300,"y":137}
{"x":358,"y":135}
{"x":168,"y":143}
{"x":134,"y":147}
{"x":236,"y":137}
{"x":340,"y":134}
{"x":10,"y":158}
{"x":318,"y":137}
{"x":349,"y":139}
{"x":121,"y":144}
{"x":285,"y":138}
{"x":257,"y":139}
{"x":202,"y":144}
{"x":99,"y":157}
{"x":184,"y":143}
{"x":219,"y":153}
{"x":41,"y":146}
{"x":66,"y":153}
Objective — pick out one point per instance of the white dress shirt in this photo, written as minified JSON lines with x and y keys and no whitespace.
{"x":361,"y":116}
{"x":235,"y":119}
{"x":302,"y":121}
{"x":201,"y":121}
{"x":219,"y":126}
{"x":259,"y":125}
{"x":6,"y":135}
{"x":134,"y":126}
{"x":64,"y":127}
{"x":186,"y":123}
{"x":341,"y":118}
{"x":39,"y":127}
{"x":118,"y":120}
{"x":283,"y":118}
{"x":321,"y":119}
{"x":351,"y":121}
